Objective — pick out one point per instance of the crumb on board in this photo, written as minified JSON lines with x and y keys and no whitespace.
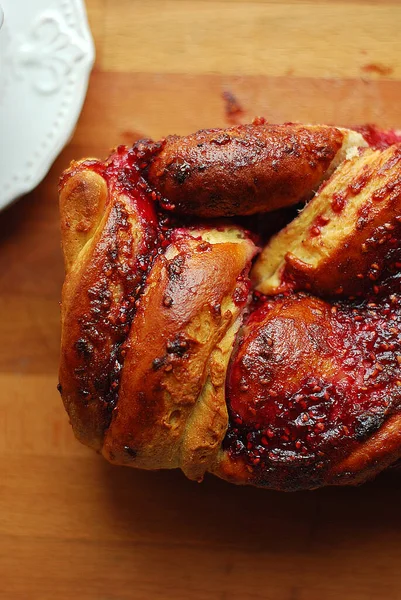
{"x":377,"y":68}
{"x":233,"y":108}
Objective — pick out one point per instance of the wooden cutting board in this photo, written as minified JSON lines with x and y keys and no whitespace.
{"x":73,"y":527}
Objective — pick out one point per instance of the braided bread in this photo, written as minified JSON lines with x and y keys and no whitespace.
{"x":198,"y":333}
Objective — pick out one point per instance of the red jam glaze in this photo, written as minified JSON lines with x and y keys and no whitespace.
{"x":338,"y":202}
{"x":310,"y":380}
{"x":379,"y":139}
{"x":277,"y":423}
{"x":316,"y":227}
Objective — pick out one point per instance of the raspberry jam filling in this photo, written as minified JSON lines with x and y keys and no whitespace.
{"x":377,"y":138}
{"x":309,"y":380}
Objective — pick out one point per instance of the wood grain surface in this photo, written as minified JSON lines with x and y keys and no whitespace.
{"x":72,"y":526}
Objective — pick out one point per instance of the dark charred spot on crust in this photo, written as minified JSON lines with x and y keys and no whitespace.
{"x":242,"y":289}
{"x":216,"y":310}
{"x":85,"y":396}
{"x":59,"y":388}
{"x":179,"y":346}
{"x":175,"y":267}
{"x":142,"y":153}
{"x":121,"y":218}
{"x":100,"y":296}
{"x":367,"y":425}
{"x":130,"y":451}
{"x":222,"y":139}
{"x":167,"y":301}
{"x":176,"y":349}
{"x":84,"y":348}
{"x":291,"y":148}
{"x":158,"y":363}
{"x":181,"y":172}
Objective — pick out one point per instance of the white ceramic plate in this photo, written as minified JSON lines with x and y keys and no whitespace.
{"x":46,"y":55}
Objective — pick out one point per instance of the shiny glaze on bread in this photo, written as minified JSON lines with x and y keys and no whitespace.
{"x":190,"y":341}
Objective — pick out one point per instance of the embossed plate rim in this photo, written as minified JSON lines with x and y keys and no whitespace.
{"x":70,"y":57}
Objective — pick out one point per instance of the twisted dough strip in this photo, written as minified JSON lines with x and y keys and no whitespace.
{"x":166,"y":359}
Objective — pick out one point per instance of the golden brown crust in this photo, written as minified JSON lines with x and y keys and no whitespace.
{"x":97,"y":298}
{"x":245,"y":169}
{"x":175,"y":358}
{"x":82,"y":203}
